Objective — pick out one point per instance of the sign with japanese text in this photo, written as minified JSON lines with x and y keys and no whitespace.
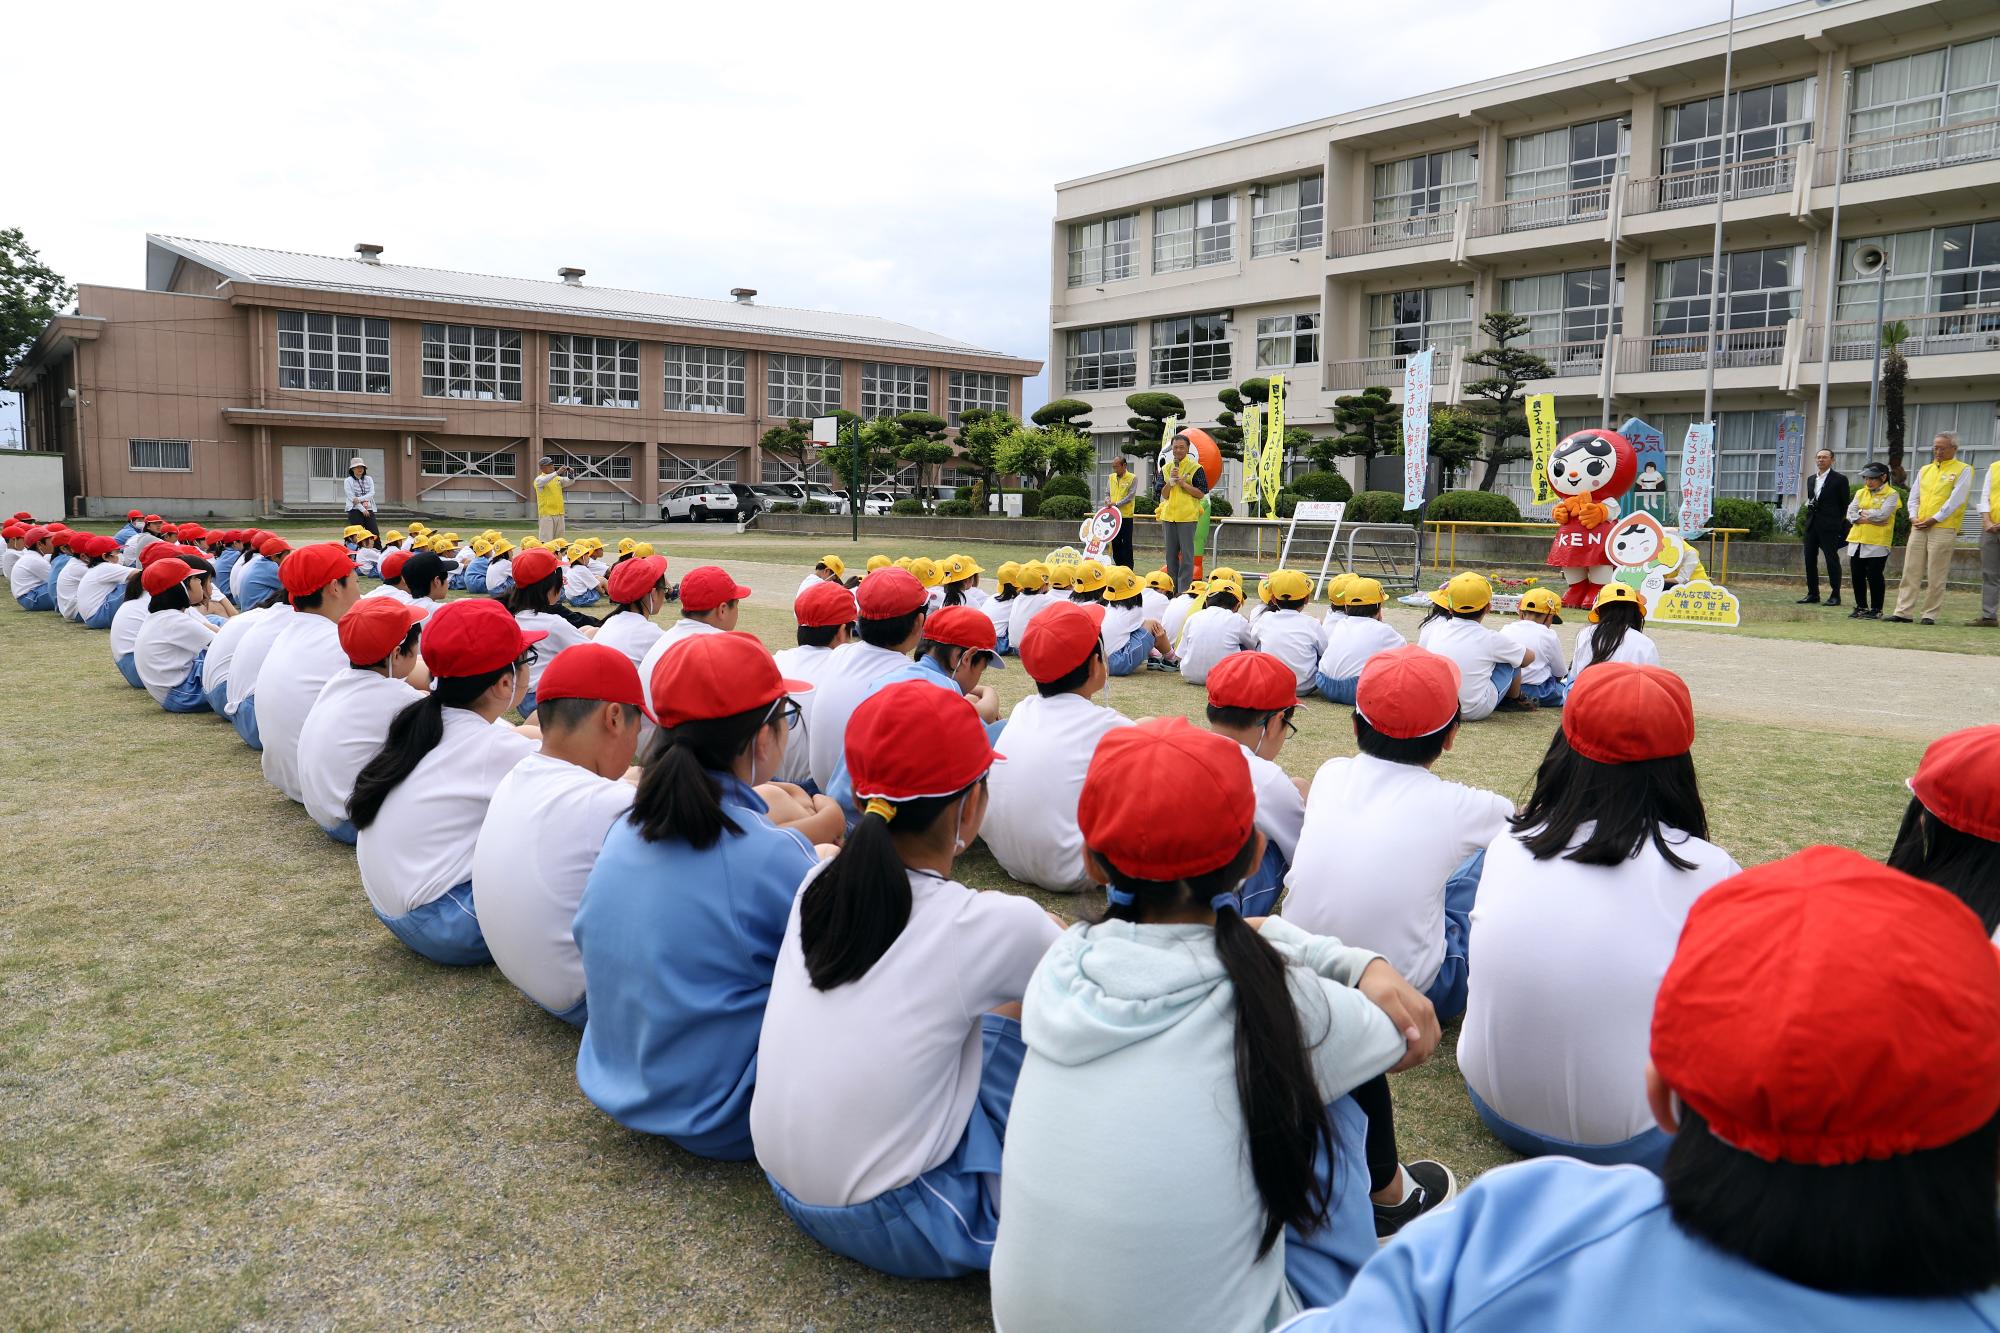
{"x":1416,"y":426}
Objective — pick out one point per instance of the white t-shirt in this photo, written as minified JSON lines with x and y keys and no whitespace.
{"x":1121,"y":619}
{"x":242,"y":571}
{"x":303,"y":658}
{"x":499,"y":571}
{"x":1153,"y":602}
{"x":1281,"y":811}
{"x":31,"y":571}
{"x":544,"y":827}
{"x":1175,"y":617}
{"x":1351,"y":641}
{"x":1211,"y":634}
{"x":630,"y":633}
{"x":807,"y":582}
{"x":579,"y":579}
{"x":8,"y":556}
{"x":845,"y":678}
{"x":391,"y":590}
{"x":801,"y":662}
{"x":1477,"y":650}
{"x":1020,"y":612}
{"x":421,"y":843}
{"x":227,"y":640}
{"x":561,"y":634}
{"x":1568,"y":961}
{"x":1634,"y":647}
{"x":1002,"y":615}
{"x":1030,"y":824}
{"x":1294,"y":638}
{"x":67,"y":583}
{"x":346,"y":728}
{"x":168,"y":642}
{"x":863,"y":1088}
{"x":125,"y":625}
{"x":1380,"y":841}
{"x":1546,"y":645}
{"x":680,"y":631}
{"x":99,"y":582}
{"x":251,"y":651}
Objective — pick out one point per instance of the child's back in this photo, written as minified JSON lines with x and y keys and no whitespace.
{"x":1294,"y":638}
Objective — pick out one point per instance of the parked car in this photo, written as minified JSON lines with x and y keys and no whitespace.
{"x":878,"y":503}
{"x":698,"y":501}
{"x":798,"y":493}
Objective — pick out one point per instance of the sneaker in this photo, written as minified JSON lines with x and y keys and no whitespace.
{"x":1897,"y":620}
{"x":1431,"y":1184}
{"x":1875,"y":614}
{"x":1858,"y":613}
{"x":1523,"y":704}
{"x":1807,"y":601}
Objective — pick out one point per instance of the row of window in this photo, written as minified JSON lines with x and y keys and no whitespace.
{"x":1285,"y":217}
{"x":350,"y":354}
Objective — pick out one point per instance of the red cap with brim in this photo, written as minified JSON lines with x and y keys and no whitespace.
{"x":708,"y":587}
{"x":631,"y":580}
{"x":1058,"y":640}
{"x":311,"y":568}
{"x":889,"y":592}
{"x":965,"y":627}
{"x":1166,"y":754}
{"x":825,"y":605}
{"x":392,"y":565}
{"x":1625,"y":713}
{"x":1959,"y":781}
{"x":164,"y":574}
{"x":1407,"y":692}
{"x":1255,"y":681}
{"x":473,"y":637}
{"x":912,"y":740}
{"x":590,"y":671}
{"x":533,"y":565}
{"x":374,"y":627}
{"x":717,"y":675}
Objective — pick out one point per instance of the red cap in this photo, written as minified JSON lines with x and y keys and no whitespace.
{"x":533,"y":565}
{"x":1256,"y":681}
{"x":12,"y":528}
{"x":134,"y":513}
{"x":717,"y":675}
{"x":170,"y":529}
{"x":1796,"y":1047}
{"x":911,"y":740}
{"x":153,"y":518}
{"x":1058,"y":639}
{"x":708,"y":587}
{"x":1959,"y":781}
{"x":631,"y":580}
{"x":889,"y":592}
{"x":1160,"y":754}
{"x":101,"y":545}
{"x":1622,"y":713}
{"x":23,"y":516}
{"x":193,"y":532}
{"x":963,"y":627}
{"x":824,"y":605}
{"x":372,"y":628}
{"x":311,"y":568}
{"x":36,"y":535}
{"x":590,"y":671}
{"x":164,"y":574}
{"x":392,"y":564}
{"x":472,"y":637}
{"x":273,"y":547}
{"x":1407,"y":692}
{"x":158,"y":551}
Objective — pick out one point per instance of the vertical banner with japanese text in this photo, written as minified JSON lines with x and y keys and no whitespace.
{"x":1697,"y":478}
{"x":1788,"y":461}
{"x":1541,"y":412}
{"x":1253,"y":444}
{"x":1416,"y":427}
{"x":1269,"y":465}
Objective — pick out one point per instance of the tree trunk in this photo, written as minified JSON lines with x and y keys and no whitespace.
{"x":1895,"y":374}
{"x":1490,"y":475}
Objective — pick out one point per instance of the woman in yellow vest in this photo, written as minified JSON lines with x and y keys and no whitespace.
{"x":1182,"y":486}
{"x":1986,"y":505}
{"x":1119,"y":489}
{"x":1937,"y":511}
{"x":1872,"y":512}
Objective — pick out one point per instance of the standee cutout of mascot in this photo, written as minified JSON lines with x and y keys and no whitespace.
{"x":1588,"y":472}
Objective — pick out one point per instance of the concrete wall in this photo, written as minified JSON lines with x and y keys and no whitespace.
{"x":31,"y":482}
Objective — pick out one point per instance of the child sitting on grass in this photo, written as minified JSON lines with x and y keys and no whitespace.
{"x":1285,"y":630}
{"x":1213,"y":632}
{"x":1617,"y":632}
{"x":1250,"y":702}
{"x":1543,"y":678}
{"x":1489,"y":663}
{"x":1355,"y":633}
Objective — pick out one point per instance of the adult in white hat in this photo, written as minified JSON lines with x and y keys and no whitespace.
{"x":360,"y":490}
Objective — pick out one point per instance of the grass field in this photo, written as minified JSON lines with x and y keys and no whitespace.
{"x":227,"y":1096}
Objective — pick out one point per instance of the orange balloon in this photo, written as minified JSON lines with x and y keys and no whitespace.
{"x":1205,"y":450}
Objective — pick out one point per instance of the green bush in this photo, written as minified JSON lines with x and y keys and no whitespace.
{"x":1076,"y":486}
{"x":1066,"y":507}
{"x":1031,"y":502}
{"x":1379,"y":507}
{"x":1322,"y":486}
{"x":1144,"y":504}
{"x":957,"y":509}
{"x":908,"y":506}
{"x":1474,"y":507}
{"x":783,"y":507}
{"x":966,"y":493}
{"x":1733,"y":513}
{"x":815,"y":507}
{"x":1219,"y":506}
{"x":1288,"y":503}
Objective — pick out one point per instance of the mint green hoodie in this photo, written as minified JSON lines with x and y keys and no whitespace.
{"x":1127,"y":1198}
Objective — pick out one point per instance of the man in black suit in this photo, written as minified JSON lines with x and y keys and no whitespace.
{"x":1826,"y":527}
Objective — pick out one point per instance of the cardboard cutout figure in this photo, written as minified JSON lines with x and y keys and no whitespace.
{"x":1588,"y":472}
{"x":1098,"y":530}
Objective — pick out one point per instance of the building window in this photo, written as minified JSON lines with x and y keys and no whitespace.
{"x":777,"y":469}
{"x":1104,"y":250}
{"x":801,"y":386}
{"x":1287,"y":340}
{"x":1400,"y":323}
{"x":161,"y":455}
{"x":593,"y":372}
{"x":1194,"y":234}
{"x":970,"y":389}
{"x":704,"y":379}
{"x":1957,"y":85}
{"x":1102,"y":359}
{"x":887,"y":389}
{"x":1568,"y":315}
{"x":1578,"y":157}
{"x":1944,"y":285}
{"x":1193,"y":349}
{"x":1426,"y":184}
{"x":1287,"y":216}
{"x":1760,"y":290}
{"x":1763,"y":125}
{"x":697,"y":469}
{"x":332,"y":353}
{"x":1974,"y":423}
{"x":595,"y":467}
{"x":465,"y":463}
{"x":468,"y":361}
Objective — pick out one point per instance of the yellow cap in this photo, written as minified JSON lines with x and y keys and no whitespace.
{"x":1159,"y":581}
{"x":1121,"y":584}
{"x":625,"y":545}
{"x":502,"y":547}
{"x":1465,"y":593}
{"x":419,"y":527}
{"x":876,"y":562}
{"x":1224,"y":572}
{"x":1542,"y":602}
{"x":1198,"y":588}
{"x":642,"y":549}
{"x":926,"y":571}
{"x":1009,"y":574}
{"x":958,"y":568}
{"x":1288,"y":585}
{"x":392,"y":535}
{"x":1616,"y":592}
{"x":835,"y":564}
{"x":1336,"y":586}
{"x":530,"y":543}
{"x":1034,"y":576}
{"x":1361,"y":592}
{"x":1064,"y":555}
{"x":1264,"y":594}
{"x":1091,"y":576}
{"x":903,"y":561}
{"x":1062,"y":576}
{"x":480,"y":546}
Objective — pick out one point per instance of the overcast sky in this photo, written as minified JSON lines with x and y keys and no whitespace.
{"x":894,"y":160}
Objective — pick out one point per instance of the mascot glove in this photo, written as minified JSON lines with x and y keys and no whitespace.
{"x":1589,"y":513}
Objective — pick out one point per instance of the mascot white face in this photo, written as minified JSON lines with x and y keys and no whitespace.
{"x":1637,"y":540}
{"x":1100,"y":528}
{"x":1583,"y":462}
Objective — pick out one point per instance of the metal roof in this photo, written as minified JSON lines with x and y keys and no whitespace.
{"x":285,"y":268}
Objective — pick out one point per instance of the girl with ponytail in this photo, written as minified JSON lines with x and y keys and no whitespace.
{"x":1617,"y":632}
{"x":418,"y":804}
{"x":686,"y":904}
{"x":1208,"y":1058}
{"x":891,"y":1039}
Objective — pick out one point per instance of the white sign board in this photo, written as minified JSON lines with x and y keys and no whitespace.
{"x":1320,"y":511}
{"x":825,"y":431}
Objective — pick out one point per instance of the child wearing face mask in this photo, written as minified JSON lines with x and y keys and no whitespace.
{"x":175,"y":637}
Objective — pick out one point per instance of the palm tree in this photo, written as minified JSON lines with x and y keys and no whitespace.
{"x":1895,"y":376}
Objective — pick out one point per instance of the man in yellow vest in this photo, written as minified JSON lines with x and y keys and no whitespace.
{"x":549,"y":499}
{"x":1119,"y":490}
{"x":1937,"y":511}
{"x":1182,"y":486}
{"x":1986,"y":504}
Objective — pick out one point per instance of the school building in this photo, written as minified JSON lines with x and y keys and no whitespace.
{"x":242,"y":380}
{"x":1583,"y":196}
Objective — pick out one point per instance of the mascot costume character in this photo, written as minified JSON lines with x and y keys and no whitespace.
{"x":1588,"y":471}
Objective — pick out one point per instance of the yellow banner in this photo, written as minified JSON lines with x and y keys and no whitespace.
{"x":1272,"y":464}
{"x":1253,"y":449}
{"x":1541,"y":409}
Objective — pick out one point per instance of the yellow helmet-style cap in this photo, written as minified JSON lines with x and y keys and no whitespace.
{"x":1091,"y":576}
{"x":1465,"y":593}
{"x":1336,"y":588}
{"x":958,"y":568}
{"x":1542,"y":601}
{"x":392,"y":535}
{"x":1063,"y":576}
{"x":1009,"y":574}
{"x":876,"y":562}
{"x":1361,"y":591}
{"x":926,"y":571}
{"x":1121,"y":584}
{"x":480,"y":546}
{"x":1290,"y":585}
{"x":1159,"y":581}
{"x":1616,"y":592}
{"x":1034,"y":576}
{"x":642,"y":549}
{"x":625,"y":545}
{"x":834,"y":565}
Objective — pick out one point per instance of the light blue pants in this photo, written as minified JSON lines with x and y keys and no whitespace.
{"x":576,"y":1015}
{"x":591,"y":598}
{"x":943,"y":1223}
{"x":444,"y":930}
{"x":42,"y":598}
{"x":455,"y":582}
{"x":1266,"y":883}
{"x":245,"y":722}
{"x":1503,"y":679}
{"x":1321,"y":1264}
{"x":504,"y":587}
{"x":1647,"y":1149}
{"x":344,"y":832}
{"x":1549,"y":694}
{"x":218,"y":698}
{"x":1447,"y":991}
{"x":187,"y":697}
{"x":1132,"y":655}
{"x":106,"y":611}
{"x":128,"y":667}
{"x":528,"y":707}
{"x":1338,"y":691}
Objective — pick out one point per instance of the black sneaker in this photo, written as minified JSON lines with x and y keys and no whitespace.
{"x":1858,"y":613}
{"x":1431,"y":1184}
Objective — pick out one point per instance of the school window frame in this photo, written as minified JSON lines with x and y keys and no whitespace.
{"x":678,"y":470}
{"x":319,"y":352}
{"x":1582,"y":156}
{"x":1974,"y":421}
{"x":889,"y":388}
{"x":1194,"y":233}
{"x":970,"y":390}
{"x":1287,"y":216}
{"x":152,"y":455}
{"x":587,"y":371}
{"x":1104,"y":249}
{"x":1424,"y":184}
{"x":1288,"y":340}
{"x":1405,"y":322}
{"x":470,"y":361}
{"x":1763,"y":123}
{"x":1948,"y":270}
{"x":495,"y":464}
{"x":1927,"y":90}
{"x":593,"y":467}
{"x":1191,"y":349}
{"x":1761,"y":289}
{"x":1570,"y":311}
{"x":801,"y":386}
{"x":704,"y":379}
{"x":1102,"y":358}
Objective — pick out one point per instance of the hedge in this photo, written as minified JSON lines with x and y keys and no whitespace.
{"x":1076,"y":486}
{"x":815,"y":507}
{"x":782,"y":507}
{"x":1322,"y":486}
{"x":1734,"y":513}
{"x":1379,"y":507}
{"x":1144,"y":504}
{"x":1474,"y":507}
{"x":957,"y":509}
{"x":1069,"y":507}
{"x":1219,"y":505}
{"x":907,"y":506}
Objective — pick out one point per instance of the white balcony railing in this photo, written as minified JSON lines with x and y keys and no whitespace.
{"x":1748,"y":179}
{"x":1941,"y":333}
{"x":1734,"y":349}
{"x":1392,"y":234}
{"x":1570,"y":359}
{"x":1347,"y":376}
{"x":1542,"y":210}
{"x":1940,"y":146}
